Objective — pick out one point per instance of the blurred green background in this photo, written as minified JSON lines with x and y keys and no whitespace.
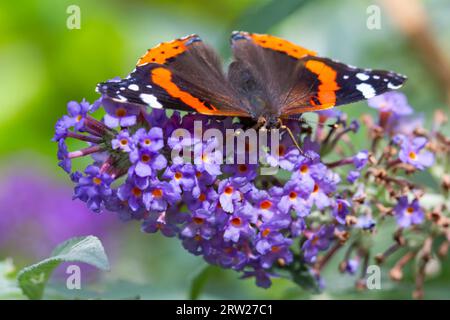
{"x":43,"y":64}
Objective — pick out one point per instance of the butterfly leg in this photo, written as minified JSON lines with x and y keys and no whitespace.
{"x":291,"y":135}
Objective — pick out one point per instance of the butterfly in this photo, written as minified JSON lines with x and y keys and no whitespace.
{"x":269,"y":79}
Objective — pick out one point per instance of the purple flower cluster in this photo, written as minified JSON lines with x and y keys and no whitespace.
{"x":228,"y":212}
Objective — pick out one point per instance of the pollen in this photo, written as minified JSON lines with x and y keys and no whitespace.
{"x":78,"y":118}
{"x":410,"y":210}
{"x":124,"y":142}
{"x":147,"y":142}
{"x":265,"y":205}
{"x":202,"y":197}
{"x":97,"y":181}
{"x":412,"y":155}
{"x":266,"y":232}
{"x":157,"y":193}
{"x":121,"y":112}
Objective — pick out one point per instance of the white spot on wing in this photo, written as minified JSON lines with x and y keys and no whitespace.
{"x":150,"y":100}
{"x":120,"y":98}
{"x":345,"y":77}
{"x":133,"y":87}
{"x":376,"y":77}
{"x":362,"y":76}
{"x":393,"y":86}
{"x":367,"y":90}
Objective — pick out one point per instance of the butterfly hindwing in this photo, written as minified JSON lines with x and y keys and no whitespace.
{"x":183,"y":74}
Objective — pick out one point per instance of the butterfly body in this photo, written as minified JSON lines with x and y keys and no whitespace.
{"x":268,"y":80}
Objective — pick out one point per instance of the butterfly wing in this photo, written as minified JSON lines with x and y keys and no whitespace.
{"x":294,"y":80}
{"x":323,"y":83}
{"x":183,"y":74}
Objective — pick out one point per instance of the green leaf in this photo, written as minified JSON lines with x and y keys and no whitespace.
{"x":32,"y":279}
{"x":8,"y":284}
{"x":200,"y":280}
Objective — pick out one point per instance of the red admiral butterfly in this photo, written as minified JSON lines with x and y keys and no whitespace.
{"x":270,"y":79}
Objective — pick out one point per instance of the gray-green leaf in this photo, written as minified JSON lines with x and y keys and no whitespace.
{"x":32,"y":279}
{"x":200,"y":280}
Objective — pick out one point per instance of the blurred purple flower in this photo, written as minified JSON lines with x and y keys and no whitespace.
{"x":408,"y":213}
{"x":412,"y":151}
{"x":38,"y":213}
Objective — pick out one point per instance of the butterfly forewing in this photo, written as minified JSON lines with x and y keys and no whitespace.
{"x":336,"y":84}
{"x":183,"y":74}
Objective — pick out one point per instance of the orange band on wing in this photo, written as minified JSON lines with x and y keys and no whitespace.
{"x":328,"y":86}
{"x":165,"y":51}
{"x":278,"y":44}
{"x":163,"y":78}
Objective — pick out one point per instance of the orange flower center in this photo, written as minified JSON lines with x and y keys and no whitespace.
{"x":178,"y":175}
{"x":198,"y":220}
{"x":237,"y":222}
{"x":304,"y":169}
{"x":202,"y":197}
{"x":124,"y":142}
{"x":266,"y":204}
{"x":315,"y":240}
{"x":78,"y":118}
{"x":121,"y":112}
{"x":293,"y":195}
{"x":275,"y":249}
{"x":147,"y":142}
{"x":242,"y":168}
{"x":198,"y":174}
{"x":316,"y":188}
{"x":228,"y":190}
{"x":410,"y":210}
{"x":266,"y":232}
{"x":412,"y":155}
{"x":157,"y":193}
{"x":136,"y":192}
{"x":145,"y":158}
{"x":97,"y":181}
